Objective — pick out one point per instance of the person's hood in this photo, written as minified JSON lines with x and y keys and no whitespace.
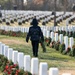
{"x":34,"y":22}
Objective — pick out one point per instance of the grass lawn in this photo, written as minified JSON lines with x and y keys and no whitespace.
{"x":52,"y":57}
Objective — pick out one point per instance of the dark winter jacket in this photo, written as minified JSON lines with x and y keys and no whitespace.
{"x":35,"y":33}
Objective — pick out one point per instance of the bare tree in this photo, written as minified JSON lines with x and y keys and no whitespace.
{"x":62,"y":5}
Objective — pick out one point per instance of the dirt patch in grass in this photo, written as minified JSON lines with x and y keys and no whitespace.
{"x":9,"y":41}
{"x":67,"y":71}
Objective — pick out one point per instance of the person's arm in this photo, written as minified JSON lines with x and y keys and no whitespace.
{"x":28,"y":35}
{"x":41,"y":34}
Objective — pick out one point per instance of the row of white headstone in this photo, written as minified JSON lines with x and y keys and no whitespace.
{"x":57,"y":28}
{"x":44,"y":28}
{"x":62,"y":39}
{"x":31,"y":13}
{"x":46,"y":33}
{"x":15,"y":29}
{"x":25,"y":62}
{"x":60,"y":17}
{"x":69,"y":19}
{"x":23,"y":15}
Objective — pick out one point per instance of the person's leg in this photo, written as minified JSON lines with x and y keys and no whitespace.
{"x":36,"y":48}
{"x":33,"y":47}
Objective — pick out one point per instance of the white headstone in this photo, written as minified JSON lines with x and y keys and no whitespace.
{"x":60,"y":28}
{"x":21,"y":60}
{"x":25,"y":29}
{"x":71,"y":42}
{"x":0,"y":47}
{"x":22,"y":30}
{"x":27,"y":63}
{"x":6,"y":51}
{"x":66,"y":42}
{"x":66,"y":28}
{"x":73,"y":29}
{"x":44,"y":32}
{"x":43,"y":68}
{"x":67,"y":23}
{"x":52,"y":36}
{"x":57,"y":28}
{"x":48,"y":34}
{"x":56,"y":37}
{"x":14,"y":57}
{"x":69,"y":28}
{"x":3,"y":45}
{"x":61,"y":38}
{"x":53,"y":71}
{"x":34,"y":66}
{"x":10,"y":51}
{"x":66,"y":74}
{"x":54,"y":29}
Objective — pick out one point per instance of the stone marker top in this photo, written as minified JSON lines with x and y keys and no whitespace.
{"x":53,"y":68}
{"x":43,"y":63}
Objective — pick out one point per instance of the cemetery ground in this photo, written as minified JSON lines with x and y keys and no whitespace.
{"x":65,"y":63}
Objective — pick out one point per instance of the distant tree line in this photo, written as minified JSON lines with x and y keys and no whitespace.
{"x":6,"y":4}
{"x":61,"y":5}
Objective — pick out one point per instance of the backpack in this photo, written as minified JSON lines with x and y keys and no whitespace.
{"x":35,"y":34}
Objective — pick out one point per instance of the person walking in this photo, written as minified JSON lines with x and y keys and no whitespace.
{"x":35,"y":34}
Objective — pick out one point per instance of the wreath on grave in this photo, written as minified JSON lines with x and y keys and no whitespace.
{"x":12,"y":21}
{"x":56,"y":45}
{"x":67,"y":51}
{"x":52,"y":44}
{"x":8,"y":68}
{"x":73,"y":51}
{"x":42,"y":45}
{"x":62,"y":47}
{"x":19,"y":23}
{"x":47,"y":41}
